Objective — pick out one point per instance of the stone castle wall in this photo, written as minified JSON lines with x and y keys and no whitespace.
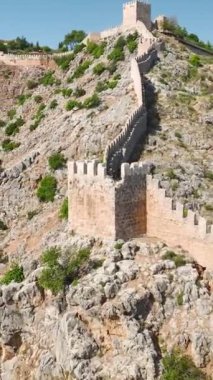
{"x":166,"y":221}
{"x":99,"y":207}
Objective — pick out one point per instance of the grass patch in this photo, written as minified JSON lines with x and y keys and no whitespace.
{"x":179,"y":260}
{"x":71,"y":104}
{"x":9,"y":145}
{"x":66,"y":92}
{"x":79,"y":72}
{"x":53,"y":104}
{"x":21,"y":99}
{"x":92,"y":102}
{"x":64,"y":61}
{"x":47,"y":189}
{"x":99,"y":68}
{"x":96,"y":50}
{"x":57,"y":161}
{"x":179,"y":367}
{"x":63,"y":213}
{"x":48,"y":79}
{"x":11,"y":113}
{"x":15,"y":274}
{"x":208,"y":174}
{"x":13,"y":128}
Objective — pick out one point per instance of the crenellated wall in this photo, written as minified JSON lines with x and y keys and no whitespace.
{"x":118,"y":200}
{"x":98,"y":206}
{"x":166,"y":221}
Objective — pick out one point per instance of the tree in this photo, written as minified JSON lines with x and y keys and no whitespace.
{"x":73,"y":38}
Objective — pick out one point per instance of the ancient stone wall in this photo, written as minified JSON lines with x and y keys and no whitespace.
{"x":137,"y":11}
{"x":31,"y":60}
{"x":166,"y":221}
{"x":98,"y":206}
{"x":91,"y":200}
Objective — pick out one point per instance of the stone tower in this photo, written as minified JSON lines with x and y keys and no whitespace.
{"x":137,"y":11}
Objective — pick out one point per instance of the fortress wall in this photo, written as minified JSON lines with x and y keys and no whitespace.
{"x":130,"y":202}
{"x":165,"y":221}
{"x":91,"y":200}
{"x":28,"y":60}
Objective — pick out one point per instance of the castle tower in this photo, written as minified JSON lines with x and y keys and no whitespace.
{"x":137,"y":11}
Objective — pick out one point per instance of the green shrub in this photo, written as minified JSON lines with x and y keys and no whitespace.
{"x":209,"y":207}
{"x":180,"y":299}
{"x":21,"y":99}
{"x":179,"y":260}
{"x":53,"y":104}
{"x":101,"y":86}
{"x":38,"y":117}
{"x":38,"y":99}
{"x":66,"y":92}
{"x":120,"y":43}
{"x":118,"y":245}
{"x":47,"y":189}
{"x":15,"y":274}
{"x":56,"y":161}
{"x":31,"y":84}
{"x":116,"y":55}
{"x":13,"y":128}
{"x":31,"y":214}
{"x":63,"y":213}
{"x":3,"y":226}
{"x":79,"y":72}
{"x":92,"y":102}
{"x":78,"y":48}
{"x":64,"y":61}
{"x":178,"y":367}
{"x":48,"y":79}
{"x":8,"y":145}
{"x":96,"y":50}
{"x":112,"y":84}
{"x":208,"y":174}
{"x":178,"y":135}
{"x":112,"y":67}
{"x":55,"y":275}
{"x":132,"y":46}
{"x":71,"y":104}
{"x":99,"y":68}
{"x":185,"y":212}
{"x":171,"y":174}
{"x":194,"y":60}
{"x":2,"y":123}
{"x":79,"y":91}
{"x":11,"y":114}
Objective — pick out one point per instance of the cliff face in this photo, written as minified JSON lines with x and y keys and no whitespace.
{"x":114,"y":323}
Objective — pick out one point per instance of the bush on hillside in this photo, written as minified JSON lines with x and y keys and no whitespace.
{"x":21,"y":99}
{"x":179,"y":260}
{"x":78,"y":48}
{"x":179,"y":367}
{"x":38,"y":99}
{"x":9,"y":145}
{"x":3,"y":226}
{"x":13,"y":128}
{"x":79,"y":72}
{"x":31,"y":84}
{"x":56,"y":161}
{"x":92,"y":102}
{"x":53,"y":104}
{"x":96,"y":50}
{"x":116,"y":55}
{"x":194,"y":60}
{"x":47,"y":189}
{"x":64,"y":61}
{"x":11,"y":113}
{"x":15,"y":274}
{"x":63,"y":213}
{"x":48,"y":79}
{"x":78,"y":92}
{"x":71,"y":104}
{"x":66,"y":92}
{"x":2,"y":123}
{"x":56,"y":276}
{"x":99,"y":68}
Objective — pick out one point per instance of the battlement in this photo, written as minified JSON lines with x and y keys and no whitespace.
{"x":137,"y":11}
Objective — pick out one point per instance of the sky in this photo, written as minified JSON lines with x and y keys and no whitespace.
{"x":47,"y":21}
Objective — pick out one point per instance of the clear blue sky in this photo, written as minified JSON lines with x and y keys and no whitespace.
{"x":47,"y":21}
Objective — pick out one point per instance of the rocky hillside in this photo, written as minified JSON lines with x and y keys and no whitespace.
{"x":110,"y":318}
{"x":128,"y":304}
